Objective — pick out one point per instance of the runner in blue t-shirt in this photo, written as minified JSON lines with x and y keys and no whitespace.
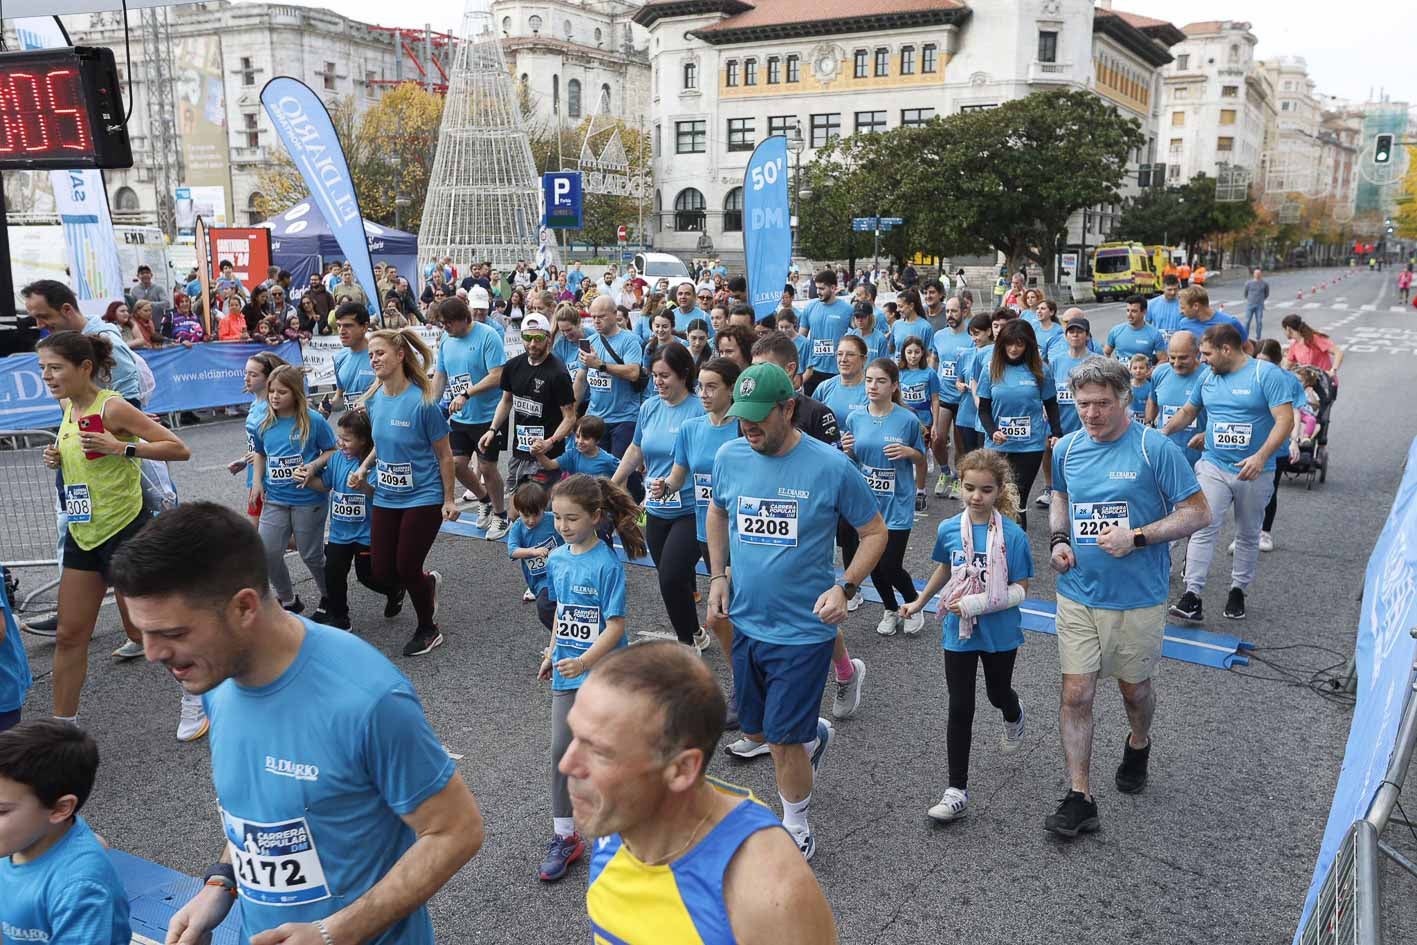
{"x":412,"y":470}
{"x":532,"y":539}
{"x":824,"y":322}
{"x":1135,"y":336}
{"x":967,"y":420}
{"x":257,"y":374}
{"x":777,"y":498}
{"x":587,"y":456}
{"x":1018,"y":405}
{"x":1139,"y":366}
{"x":845,"y":392}
{"x":1197,"y":315}
{"x":1121,"y":494}
{"x":1046,"y":327}
{"x":949,"y":342}
{"x":865,"y":326}
{"x":316,"y":807}
{"x":1249,"y":415}
{"x":353,"y":373}
{"x":1062,"y":362}
{"x":610,"y":371}
{"x":1164,"y":310}
{"x":1171,"y":386}
{"x":911,"y":323}
{"x":920,"y":392}
{"x":885,"y":441}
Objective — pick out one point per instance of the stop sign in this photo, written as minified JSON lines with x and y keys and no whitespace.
{"x":621,"y":233}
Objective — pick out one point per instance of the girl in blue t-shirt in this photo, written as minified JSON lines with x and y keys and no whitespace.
{"x":1139,"y":366}
{"x":983,"y":564}
{"x":348,"y":544}
{"x":288,"y":441}
{"x":920,"y":391}
{"x":586,"y":583}
{"x":257,"y":375}
{"x":1018,"y":404}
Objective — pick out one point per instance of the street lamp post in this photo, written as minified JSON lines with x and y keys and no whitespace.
{"x":795,"y":144}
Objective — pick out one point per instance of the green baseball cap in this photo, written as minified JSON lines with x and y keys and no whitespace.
{"x":759,"y":389}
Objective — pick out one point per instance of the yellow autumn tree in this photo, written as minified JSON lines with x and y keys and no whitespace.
{"x":1406,"y":217}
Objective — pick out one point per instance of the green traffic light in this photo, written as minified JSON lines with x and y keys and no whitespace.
{"x":1382,"y":149}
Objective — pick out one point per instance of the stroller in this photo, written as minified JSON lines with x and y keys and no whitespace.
{"x":1313,"y":450}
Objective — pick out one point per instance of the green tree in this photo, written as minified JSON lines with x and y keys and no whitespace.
{"x":1187,"y":214}
{"x":603,"y":213}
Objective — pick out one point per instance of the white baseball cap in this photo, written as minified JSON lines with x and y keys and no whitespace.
{"x":536,"y":322}
{"x":477,"y":298}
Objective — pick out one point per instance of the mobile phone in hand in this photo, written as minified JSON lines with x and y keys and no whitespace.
{"x":585,"y":345}
{"x":93,"y":423}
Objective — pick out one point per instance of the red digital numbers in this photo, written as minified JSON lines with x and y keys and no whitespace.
{"x":43,"y":113}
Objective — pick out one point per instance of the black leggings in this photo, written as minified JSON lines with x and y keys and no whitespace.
{"x":338,"y":559}
{"x":1025,"y":467}
{"x":889,"y":574}
{"x":402,"y":539}
{"x":960,"y":678}
{"x":675,"y":549}
{"x":1281,"y":464}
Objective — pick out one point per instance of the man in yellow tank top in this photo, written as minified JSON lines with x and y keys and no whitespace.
{"x":678,"y":856}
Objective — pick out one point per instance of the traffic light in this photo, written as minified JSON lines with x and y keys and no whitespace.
{"x":1382,"y":149}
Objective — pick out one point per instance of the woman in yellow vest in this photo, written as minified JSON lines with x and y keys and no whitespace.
{"x":101,"y":440}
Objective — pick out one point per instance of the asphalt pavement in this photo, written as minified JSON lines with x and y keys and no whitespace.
{"x":1219,"y":847}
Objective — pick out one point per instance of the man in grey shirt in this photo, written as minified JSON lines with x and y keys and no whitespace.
{"x":151,"y":291}
{"x":1256,"y":292}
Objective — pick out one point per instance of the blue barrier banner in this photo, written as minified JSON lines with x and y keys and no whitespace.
{"x":1384,"y":655}
{"x":196,"y":378}
{"x":767,"y":224}
{"x":308,"y":134}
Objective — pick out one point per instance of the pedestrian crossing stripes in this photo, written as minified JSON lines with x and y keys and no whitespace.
{"x":1370,"y":308}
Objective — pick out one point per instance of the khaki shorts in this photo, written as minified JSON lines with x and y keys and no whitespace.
{"x":1121,"y":643}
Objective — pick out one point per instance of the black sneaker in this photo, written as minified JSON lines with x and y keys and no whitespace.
{"x":423,"y":640}
{"x":1188,"y":607}
{"x":1075,"y":815}
{"x":41,"y":626}
{"x":394,"y":605}
{"x":1235,"y":604}
{"x":1131,"y":773}
{"x":331,"y":620}
{"x":295,"y":606}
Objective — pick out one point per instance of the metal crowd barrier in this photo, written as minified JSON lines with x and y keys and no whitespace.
{"x":28,"y":529}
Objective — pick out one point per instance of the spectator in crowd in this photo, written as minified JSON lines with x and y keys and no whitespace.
{"x":255,"y":309}
{"x":184,"y":327}
{"x":272,"y":275}
{"x":348,"y":290}
{"x":278,"y":303}
{"x":233,"y":325}
{"x":228,"y":281}
{"x":149,"y":290}
{"x":322,"y":302}
{"x":119,"y":314}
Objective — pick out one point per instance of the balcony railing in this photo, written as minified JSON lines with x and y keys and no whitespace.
{"x":1046,"y":72}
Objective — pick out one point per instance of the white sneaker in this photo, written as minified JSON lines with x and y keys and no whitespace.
{"x":1013,"y":734}
{"x":467,"y":498}
{"x":437,"y":577}
{"x":889,"y":624}
{"x":942,"y":486}
{"x":192,"y":723}
{"x":1266,"y":541}
{"x":806,"y":842}
{"x":914,"y":623}
{"x":854,"y":604}
{"x":1232,"y":547}
{"x":954,"y":489}
{"x":702,"y":639}
{"x":497,"y":529}
{"x":848,"y":694}
{"x":528,"y":596}
{"x":484,"y":515}
{"x":951,"y":807}
{"x":128,"y":651}
{"x":746,"y":748}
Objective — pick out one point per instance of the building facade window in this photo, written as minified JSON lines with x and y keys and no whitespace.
{"x":1229,"y":91}
{"x":689,"y":211}
{"x":253,"y":135}
{"x":859,"y":59}
{"x":730,"y":73}
{"x":690,"y":137}
{"x":733,"y":211}
{"x":125,"y":200}
{"x":1178,"y":119}
{"x":605,"y":98}
{"x":781,"y":125}
{"x":1227,"y":116}
{"x":794,"y":68}
{"x":329,"y":76}
{"x":1225,"y":144}
{"x":740,"y":134}
{"x":929,"y":54}
{"x":907,"y":60}
{"x":534,"y":22}
{"x":750,"y":72}
{"x":825,"y":129}
{"x":976,"y":108}
{"x":691,"y":76}
{"x":883,"y":61}
{"x":555,"y":95}
{"x":1183,"y":62}
{"x":248,"y":71}
{"x":1047,"y":45}
{"x":1183,"y":92}
{"x":1234,"y":52}
{"x":654,"y":142}
{"x":573,"y":98}
{"x":915,"y":117}
{"x":870,"y":122}
{"x":506,"y":24}
{"x":774,"y":70}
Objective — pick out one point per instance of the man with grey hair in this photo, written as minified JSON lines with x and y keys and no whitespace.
{"x":1121,"y":493}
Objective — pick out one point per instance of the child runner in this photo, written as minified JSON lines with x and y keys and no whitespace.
{"x":291,"y":436}
{"x":920,"y":391}
{"x":1140,"y":367}
{"x":258,"y":374}
{"x":586,"y":582}
{"x":587,"y":457}
{"x":983,"y":565}
{"x":530,"y":541}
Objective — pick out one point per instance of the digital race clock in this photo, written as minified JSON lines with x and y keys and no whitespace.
{"x":60,"y":109}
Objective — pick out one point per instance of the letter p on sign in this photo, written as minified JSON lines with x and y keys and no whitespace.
{"x":561,"y":189}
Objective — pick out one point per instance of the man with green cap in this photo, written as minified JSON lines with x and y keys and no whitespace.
{"x":777,"y":496}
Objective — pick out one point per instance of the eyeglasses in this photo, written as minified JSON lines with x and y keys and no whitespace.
{"x":533,"y":336}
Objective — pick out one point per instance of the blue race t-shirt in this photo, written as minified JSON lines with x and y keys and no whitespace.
{"x":285,"y":452}
{"x":1017,"y":406}
{"x":467,"y":360}
{"x":903,"y":330}
{"x":1170,"y":392}
{"x":1060,"y":343}
{"x":15,"y":678}
{"x":602,"y":464}
{"x":891,"y":481}
{"x":541,"y":535}
{"x":918,"y":389}
{"x":124,"y":376}
{"x":841,"y":399}
{"x":655,"y":435}
{"x":1126,"y":483}
{"x":1125,"y":341}
{"x":968,"y":415}
{"x":613,"y":399}
{"x":1217,"y":318}
{"x":69,"y":893}
{"x":1140,"y":395}
{"x":1002,"y":630}
{"x":312,"y":809}
{"x":353,"y":373}
{"x":570,"y":351}
{"x":1165,"y":315}
{"x":825,"y":325}
{"x":588,"y":589}
{"x":947,"y":346}
{"x":349,"y":508}
{"x":782,"y":518}
{"x":877,"y":343}
{"x":255,"y":416}
{"x":406,"y":473}
{"x":1061,"y":364}
{"x":1044,"y":336}
{"x":1237,"y":409}
{"x":695,"y":449}
{"x":804,"y":346}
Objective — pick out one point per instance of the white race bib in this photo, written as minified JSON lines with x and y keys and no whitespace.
{"x":767,"y":521}
{"x":947,"y":371}
{"x":670,"y":500}
{"x":823,"y":347}
{"x":880,"y":479}
{"x":597,"y":380}
{"x":1168,"y":412}
{"x":282,"y":468}
{"x":1229,"y":436}
{"x":527,"y":436}
{"x":914,"y":394}
{"x":459,"y":383}
{"x":577,"y":625}
{"x":347,"y":506}
{"x":1016,"y":428}
{"x":1089,"y":518}
{"x":538,"y":565}
{"x":703,"y":488}
{"x":1065,"y":394}
{"x":78,"y":504}
{"x":276,"y":864}
{"x":395,"y":477}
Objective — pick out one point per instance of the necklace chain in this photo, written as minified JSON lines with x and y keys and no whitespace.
{"x":687,"y":843}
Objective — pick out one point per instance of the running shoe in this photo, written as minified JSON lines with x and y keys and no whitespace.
{"x":889,"y":624}
{"x":854,"y":604}
{"x":1131,"y":773}
{"x":914,"y":623}
{"x":192,"y":722}
{"x":1235,"y":604}
{"x":497,"y":529}
{"x":423,"y":640}
{"x":467,"y":498}
{"x":1075,"y":815}
{"x":128,"y":651}
{"x":339,"y":622}
{"x":484,"y":515}
{"x":730,"y":720}
{"x":952,"y":806}
{"x":746,"y":748}
{"x":1188,"y":607}
{"x":437,"y":577}
{"x":848,"y":694}
{"x":1044,"y":498}
{"x":46,"y":626}
{"x":1232,"y":547}
{"x":702,"y":639}
{"x":806,"y":842}
{"x":942,"y":485}
{"x":561,"y":852}
{"x":295,"y":606}
{"x":528,"y":596}
{"x":1266,"y":541}
{"x":1012,"y":738}
{"x":825,"y":734}
{"x":921,"y":507}
{"x":954,"y":489}
{"x":393,"y":604}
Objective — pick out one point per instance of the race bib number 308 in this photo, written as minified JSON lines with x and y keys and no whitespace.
{"x":767,"y":521}
{"x":276,"y":863}
{"x":78,"y":504}
{"x":1090,"y":518}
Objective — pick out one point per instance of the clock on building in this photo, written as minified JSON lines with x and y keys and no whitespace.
{"x":826,"y":62}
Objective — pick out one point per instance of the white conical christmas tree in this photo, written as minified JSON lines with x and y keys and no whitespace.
{"x":484,"y":196}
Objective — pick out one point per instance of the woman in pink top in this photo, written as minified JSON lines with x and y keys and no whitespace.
{"x":1307,"y":346}
{"x":1404,"y":282}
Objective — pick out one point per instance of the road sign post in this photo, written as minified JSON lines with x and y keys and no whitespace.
{"x":563,"y":200}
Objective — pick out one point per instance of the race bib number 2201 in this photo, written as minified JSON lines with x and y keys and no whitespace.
{"x":1090,"y":518}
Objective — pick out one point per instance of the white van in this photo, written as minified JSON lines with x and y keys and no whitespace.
{"x":655,"y":266}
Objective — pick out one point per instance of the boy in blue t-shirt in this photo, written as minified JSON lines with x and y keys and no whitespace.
{"x":56,"y":882}
{"x":530,"y":541}
{"x":1139,"y":366}
{"x":587,"y":457}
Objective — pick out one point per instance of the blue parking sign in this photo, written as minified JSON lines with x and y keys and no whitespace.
{"x":562,"y":191}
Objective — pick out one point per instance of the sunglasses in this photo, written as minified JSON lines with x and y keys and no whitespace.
{"x":533,"y":336}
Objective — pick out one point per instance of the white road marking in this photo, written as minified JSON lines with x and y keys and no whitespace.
{"x":1312,"y":305}
{"x":1370,"y":308}
{"x":1339,"y":306}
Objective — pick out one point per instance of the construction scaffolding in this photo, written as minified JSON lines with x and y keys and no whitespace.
{"x":484,"y":197}
{"x":164,"y":151}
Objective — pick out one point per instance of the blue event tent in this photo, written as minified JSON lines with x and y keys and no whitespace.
{"x":301,"y":241}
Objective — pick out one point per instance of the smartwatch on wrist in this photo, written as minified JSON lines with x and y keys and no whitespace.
{"x":850,"y":589}
{"x":131,"y":451}
{"x":1138,"y":539}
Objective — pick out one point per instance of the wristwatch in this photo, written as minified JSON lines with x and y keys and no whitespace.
{"x":131,"y":451}
{"x":850,"y":589}
{"x":1138,"y":539}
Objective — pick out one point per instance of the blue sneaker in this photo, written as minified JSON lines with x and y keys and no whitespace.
{"x":561,"y":852}
{"x":825,"y":734}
